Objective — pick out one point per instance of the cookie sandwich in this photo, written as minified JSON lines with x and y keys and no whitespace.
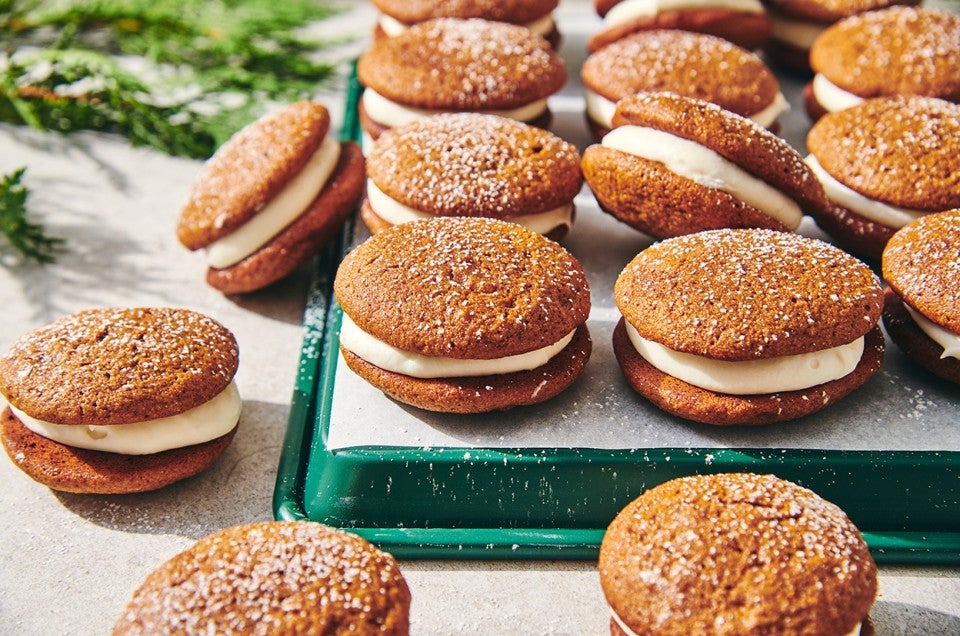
{"x":884,"y":163}
{"x":469,"y":164}
{"x":921,"y":312}
{"x":271,"y":197}
{"x":396,"y":16}
{"x":451,"y":65}
{"x":736,"y":553}
{"x":894,"y":51}
{"x":798,"y":23}
{"x":743,"y":22}
{"x":689,"y":64}
{"x":277,"y":577}
{"x":119,"y":400}
{"x":464,"y":315}
{"x":747,"y":326}
{"x":673,"y":165}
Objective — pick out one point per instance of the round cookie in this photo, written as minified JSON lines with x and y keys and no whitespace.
{"x":921,"y":264}
{"x":451,"y":65}
{"x":675,"y":165}
{"x":882,"y":164}
{"x":747,"y":326}
{"x":798,"y":23}
{"x":689,"y":64}
{"x":464,"y":315}
{"x":744,"y":23}
{"x":396,"y":16}
{"x":469,"y":164}
{"x":119,"y":400}
{"x":736,"y":553}
{"x":280,"y":577}
{"x":894,"y":51}
{"x":271,"y":197}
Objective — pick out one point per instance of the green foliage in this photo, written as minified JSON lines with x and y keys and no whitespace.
{"x":25,"y":237}
{"x":177,"y":75}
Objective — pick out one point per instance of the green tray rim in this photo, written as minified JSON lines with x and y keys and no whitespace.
{"x":309,"y":413}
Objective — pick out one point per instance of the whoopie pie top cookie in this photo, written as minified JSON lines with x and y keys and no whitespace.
{"x":743,"y":22}
{"x":462,"y":314}
{"x":270,"y":197}
{"x":447,"y":64}
{"x":278,"y":577}
{"x":396,"y":16}
{"x":469,"y":164}
{"x":747,"y":326}
{"x":681,"y":62}
{"x":735,"y":553}
{"x":894,"y":51}
{"x":119,"y":400}
{"x":884,"y":163}
{"x":798,"y":23}
{"x":674,"y":165}
{"x":921,"y":264}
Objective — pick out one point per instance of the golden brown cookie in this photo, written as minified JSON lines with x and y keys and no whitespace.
{"x":920,"y":263}
{"x":719,"y":318}
{"x":735,"y":553}
{"x":469,"y":164}
{"x":452,"y":299}
{"x":743,"y":27}
{"x":797,"y":24}
{"x":251,"y":179}
{"x":689,"y":64}
{"x":451,"y":65}
{"x":882,"y":163}
{"x":894,"y":51}
{"x":399,"y":15}
{"x":94,"y":398}
{"x":711,"y":169}
{"x":279,"y":577}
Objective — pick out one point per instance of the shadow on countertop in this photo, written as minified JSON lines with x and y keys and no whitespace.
{"x":237,"y":489}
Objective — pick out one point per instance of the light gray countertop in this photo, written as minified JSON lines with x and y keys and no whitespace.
{"x":69,"y":563}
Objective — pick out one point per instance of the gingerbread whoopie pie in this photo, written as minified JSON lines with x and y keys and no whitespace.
{"x":464,"y":315}
{"x":798,"y":23}
{"x":884,"y":163}
{"x":921,"y":312}
{"x":452,"y":65}
{"x":736,"y":553}
{"x":271,"y":197}
{"x":470,"y":164}
{"x":275,"y":577}
{"x":681,"y":62}
{"x":674,"y":165}
{"x":119,"y":400}
{"x":743,"y":22}
{"x":747,"y":326}
{"x":396,"y":16}
{"x":893,"y":51}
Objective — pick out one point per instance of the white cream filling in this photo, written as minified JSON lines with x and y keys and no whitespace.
{"x":394,"y":212}
{"x":630,"y":10}
{"x":831,"y":96}
{"x":877,"y":211}
{"x":388,"y":357}
{"x":295,"y":197}
{"x":393,"y":27}
{"x":203,"y":423}
{"x":700,"y":164}
{"x":601,"y":110}
{"x":391,"y":114}
{"x":751,"y":377}
{"x":797,"y":33}
{"x":941,"y":335}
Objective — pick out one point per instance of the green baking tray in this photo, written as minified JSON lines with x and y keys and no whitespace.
{"x":536,"y":503}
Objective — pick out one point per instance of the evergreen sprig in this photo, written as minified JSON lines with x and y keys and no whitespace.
{"x":25,"y":237}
